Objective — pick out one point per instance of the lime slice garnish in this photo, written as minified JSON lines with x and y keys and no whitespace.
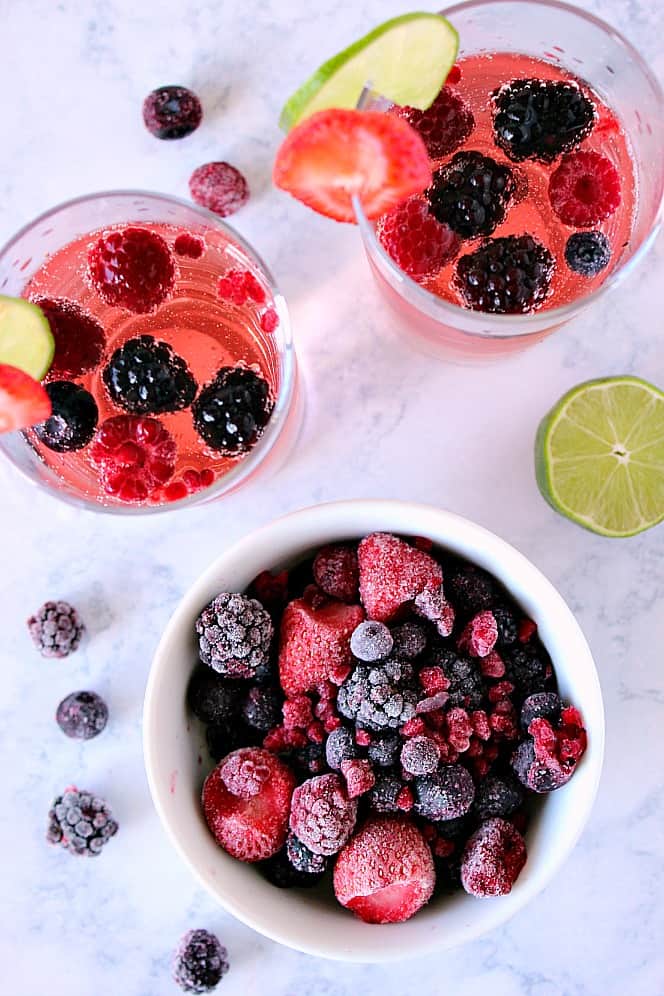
{"x":599,"y":456}
{"x":26,"y":340}
{"x":406,"y":60}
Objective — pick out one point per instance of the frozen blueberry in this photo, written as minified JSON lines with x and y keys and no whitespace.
{"x":410,"y":640}
{"x":384,"y":750}
{"x":371,"y":641}
{"x":211,"y":698}
{"x":261,"y":708}
{"x":498,"y":796}
{"x":445,"y":795}
{"x":82,"y":715}
{"x":340,"y":746}
{"x":420,"y":756}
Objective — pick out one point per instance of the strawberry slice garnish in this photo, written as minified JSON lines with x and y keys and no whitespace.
{"x":336,"y":154}
{"x":23,"y":400}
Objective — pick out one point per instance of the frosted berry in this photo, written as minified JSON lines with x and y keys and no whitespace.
{"x":172,"y":112}
{"x":384,"y":750}
{"x":219,"y":187}
{"x":336,"y":573}
{"x":261,"y":709}
{"x":359,"y":777}
{"x":211,"y":698}
{"x":131,"y":268}
{"x":134,"y":455}
{"x":471,"y":588}
{"x":445,"y":795}
{"x":340,"y":746}
{"x":444,"y":126}
{"x":498,"y":796}
{"x":431,"y":604}
{"x":384,"y":796}
{"x":410,"y":641}
{"x":56,"y":629}
{"x":420,"y":756}
{"x":82,"y":715}
{"x":379,"y":696}
{"x":417,"y":242}
{"x":235,"y":635}
{"x":371,"y":641}
{"x":541,"y":705}
{"x":200,"y":962}
{"x":315,"y":644}
{"x":79,"y":338}
{"x":493,"y":859}
{"x":322,"y":815}
{"x":80,"y":822}
{"x":303,"y":860}
{"x":392,"y":574}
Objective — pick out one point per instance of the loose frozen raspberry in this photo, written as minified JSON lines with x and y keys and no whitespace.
{"x":240,"y":286}
{"x":433,"y":680}
{"x":246,"y":801}
{"x":418,"y":243}
{"x":172,"y":112}
{"x":134,"y":455}
{"x":219,"y":187}
{"x":392,"y":574}
{"x":335,"y":572}
{"x":192,"y":246}
{"x":584,"y":189}
{"x":445,"y":795}
{"x":493,"y":859}
{"x":298,"y":712}
{"x":445,"y":125}
{"x":492,"y":665}
{"x":322,"y":814}
{"x":363,"y":738}
{"x":420,"y":756}
{"x":480,"y":635}
{"x":269,"y":320}
{"x":386,"y":873}
{"x":79,"y":338}
{"x":131,"y":268}
{"x":359,"y":777}
{"x":459,"y":728}
{"x":315,"y":642}
{"x":431,"y":604}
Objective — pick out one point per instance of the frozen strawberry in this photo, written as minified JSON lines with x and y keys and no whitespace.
{"x":23,"y":400}
{"x":246,"y":801}
{"x":392,"y":574}
{"x":335,"y":155}
{"x":134,"y":455}
{"x":315,"y":643}
{"x":131,"y":268}
{"x":493,"y":859}
{"x":386,"y":873}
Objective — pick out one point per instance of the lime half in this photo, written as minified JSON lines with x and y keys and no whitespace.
{"x":406,"y":59}
{"x":599,"y":456}
{"x":26,"y":340}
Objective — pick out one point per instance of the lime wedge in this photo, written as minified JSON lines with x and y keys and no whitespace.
{"x":26,"y":340}
{"x":599,"y":456}
{"x":406,"y":59}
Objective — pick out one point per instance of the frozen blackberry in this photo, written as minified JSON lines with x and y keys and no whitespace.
{"x":466,"y":687}
{"x":506,"y":276}
{"x":82,"y":715}
{"x":540,"y":119}
{"x":73,"y":420}
{"x":471,"y":194}
{"x":541,"y":705}
{"x":211,"y":698}
{"x":410,"y":640}
{"x":235,"y":634}
{"x":261,"y":708}
{"x":420,"y":756}
{"x":384,"y":751}
{"x":471,"y":589}
{"x":587,"y":253}
{"x":200,"y":962}
{"x":371,"y":641}
{"x":379,"y":696}
{"x":527,"y":668}
{"x":340,"y":746}
{"x":303,"y":860}
{"x":145,"y":376}
{"x":231,"y":412}
{"x":309,"y":760}
{"x":385,"y":793}
{"x":446,"y":795}
{"x":279,"y":871}
{"x":498,"y":796}
{"x":508,"y":629}
{"x":56,"y":629}
{"x":80,"y":822}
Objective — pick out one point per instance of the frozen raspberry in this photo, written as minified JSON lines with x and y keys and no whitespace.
{"x":418,"y":243}
{"x":134,"y":455}
{"x":371,"y":641}
{"x":73,"y":419}
{"x":232,"y":411}
{"x":386,"y":873}
{"x":384,"y":796}
{"x":322,"y":814}
{"x":541,"y":705}
{"x":172,"y":112}
{"x":219,"y":187}
{"x":431,"y":604}
{"x":539,"y":119}
{"x":340,"y":746}
{"x":246,"y":801}
{"x":445,"y":795}
{"x":506,"y":625}
{"x":200,"y":962}
{"x":80,"y":822}
{"x":79,"y":338}
{"x":471,"y":588}
{"x":82,"y":715}
{"x":459,"y":728}
{"x":493,"y":859}
{"x":211,"y":698}
{"x":269,"y":320}
{"x":336,"y":573}
{"x":261,"y":709}
{"x":131,"y":268}
{"x":498,"y":796}
{"x":410,"y":641}
{"x":505,"y":276}
{"x":527,"y":630}
{"x":420,"y":756}
{"x":548,"y":758}
{"x":480,"y":635}
{"x":379,"y":696}
{"x":56,"y":629}
{"x":359,"y":777}
{"x":303,"y":860}
{"x":445,"y":125}
{"x":192,"y":246}
{"x":147,"y":377}
{"x":315,"y":643}
{"x":471,"y":194}
{"x":241,"y":286}
{"x":584,"y":189}
{"x":297,"y":712}
{"x":235,"y":635}
{"x":588,"y":253}
{"x":492,"y":666}
{"x":392,"y":574}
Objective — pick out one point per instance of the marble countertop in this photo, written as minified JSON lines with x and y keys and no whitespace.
{"x":382,"y":420}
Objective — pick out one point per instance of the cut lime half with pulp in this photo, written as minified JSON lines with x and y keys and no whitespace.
{"x":406,"y":60}
{"x":26,"y":340}
{"x":599,"y":456}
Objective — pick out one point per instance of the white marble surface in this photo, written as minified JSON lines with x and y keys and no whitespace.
{"x":382,"y":420}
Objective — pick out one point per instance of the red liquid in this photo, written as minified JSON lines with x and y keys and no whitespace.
{"x":204,"y":330}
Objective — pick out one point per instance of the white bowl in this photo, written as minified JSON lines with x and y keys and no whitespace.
{"x":174,"y":745}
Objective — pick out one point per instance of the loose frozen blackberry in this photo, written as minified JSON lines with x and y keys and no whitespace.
{"x":200,"y":962}
{"x":446,"y":795}
{"x":508,"y":629}
{"x":80,"y":822}
{"x":466,"y":687}
{"x":235,"y":634}
{"x":211,"y":698}
{"x":385,"y":793}
{"x":56,"y":629}
{"x":371,"y":641}
{"x":498,"y":796}
{"x":384,"y":750}
{"x":540,"y":119}
{"x":471,"y":194}
{"x":379,"y":696}
{"x":231,"y":412}
{"x":145,"y":376}
{"x":279,"y":871}
{"x":587,"y":253}
{"x":410,"y":640}
{"x":73,"y":420}
{"x":541,"y":705}
{"x":527,"y":669}
{"x":82,"y":715}
{"x":172,"y":112}
{"x":340,"y":746}
{"x":420,"y":756}
{"x":505,"y":276}
{"x":471,"y":589}
{"x":261,"y":708}
{"x":303,"y":860}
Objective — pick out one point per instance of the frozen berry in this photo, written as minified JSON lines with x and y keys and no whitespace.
{"x":471,"y":194}
{"x":547,"y":759}
{"x":200,"y":962}
{"x":371,"y":641}
{"x":493,"y":859}
{"x":444,"y":126}
{"x":340,"y":746}
{"x":224,"y":737}
{"x":471,"y":588}
{"x":303,"y":860}
{"x":82,"y":715}
{"x":384,"y":796}
{"x":588,"y":253}
{"x":584,"y":189}
{"x":315,"y":644}
{"x":506,"y":625}
{"x":172,"y":112}
{"x":147,"y":377}
{"x":418,"y":243}
{"x":219,"y":187}
{"x":497,"y":796}
{"x":379,"y":696}
{"x":386,"y":873}
{"x":465,"y":687}
{"x":79,"y":338}
{"x":359,"y":777}
{"x":261,"y":708}
{"x":541,"y":705}
{"x":431,"y":604}
{"x":445,"y":795}
{"x":56,"y":629}
{"x":322,"y":815}
{"x":80,"y":822}
{"x":279,"y":871}
{"x":539,"y":119}
{"x":526,"y":668}
{"x":232,"y":411}
{"x":410,"y":641}
{"x":134,"y":455}
{"x":235,"y":635}
{"x":480,"y":635}
{"x":246,"y":801}
{"x":73,"y":420}
{"x":131,"y":268}
{"x":212,"y":699}
{"x":336,"y":573}
{"x":269,"y":320}
{"x":508,"y":275}
{"x":192,"y":246}
{"x":384,"y":750}
{"x":392,"y":574}
{"x":420,"y":756}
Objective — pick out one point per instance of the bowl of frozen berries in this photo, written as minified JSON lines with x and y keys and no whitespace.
{"x":373,"y":729}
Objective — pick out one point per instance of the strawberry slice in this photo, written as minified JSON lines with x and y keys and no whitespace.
{"x":336,"y":154}
{"x":23,"y":400}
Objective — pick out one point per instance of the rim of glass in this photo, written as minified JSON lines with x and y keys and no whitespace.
{"x":287,"y":365}
{"x":513,"y":326}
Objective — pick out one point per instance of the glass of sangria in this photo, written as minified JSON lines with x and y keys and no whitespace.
{"x":174,"y":377}
{"x":547,"y":144}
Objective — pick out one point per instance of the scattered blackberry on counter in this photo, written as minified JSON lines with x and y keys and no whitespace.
{"x":541,"y":705}
{"x":384,"y":750}
{"x":56,"y":629}
{"x":303,"y":860}
{"x":232,"y":411}
{"x":261,"y":708}
{"x":80,"y":822}
{"x":508,"y":629}
{"x":172,"y":112}
{"x":371,"y":641}
{"x":540,"y":119}
{"x":145,"y":376}
{"x":380,"y":696}
{"x":498,"y":796}
{"x":506,"y":276}
{"x":588,"y":253}
{"x":73,"y":420}
{"x":340,"y":746}
{"x":212,"y":699}
{"x":445,"y":795}
{"x":82,"y":715}
{"x":471,"y":194}
{"x":200,"y":962}
{"x":235,"y":634}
